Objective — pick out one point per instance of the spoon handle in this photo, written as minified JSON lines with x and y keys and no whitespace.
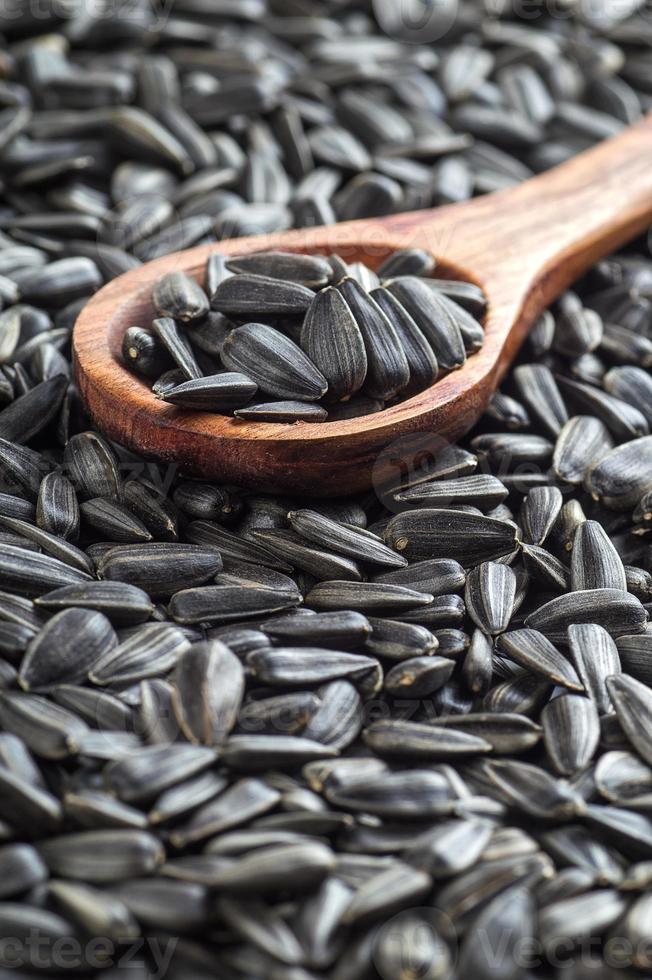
{"x":548,"y":230}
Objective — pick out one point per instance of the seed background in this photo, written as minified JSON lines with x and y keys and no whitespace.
{"x":287,"y":739}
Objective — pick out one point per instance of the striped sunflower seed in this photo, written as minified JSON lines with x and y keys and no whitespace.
{"x":331,"y":338}
{"x":274,"y":362}
{"x":122,"y":604}
{"x":632,"y":703}
{"x":353,"y":542}
{"x":66,"y":648}
{"x":467,"y":538}
{"x":595,"y":563}
{"x":208,"y":686}
{"x":571,"y":732}
{"x":178,"y":296}
{"x":583,"y":441}
{"x":489,"y":596}
{"x":618,"y":612}
{"x":536,"y":652}
{"x":152,"y":650}
{"x":160,"y":568}
{"x":596,"y":658}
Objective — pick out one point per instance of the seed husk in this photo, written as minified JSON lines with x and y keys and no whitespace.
{"x":91,"y":466}
{"x":103,"y":856}
{"x":113,"y":521}
{"x":621,"y":477}
{"x":299,"y":666}
{"x":178,"y":296}
{"x":331,"y":338}
{"x":353,"y":542}
{"x":506,"y":733}
{"x":57,"y":509}
{"x":571,"y":732}
{"x":388,"y":371}
{"x":66,"y":648}
{"x":595,"y":563}
{"x":539,"y":512}
{"x":227,"y":603}
{"x":150,"y":651}
{"x":122,"y":604}
{"x":624,"y":420}
{"x":160,"y":568}
{"x":47,"y":729}
{"x":434,"y":317}
{"x":632,"y":703}
{"x":468,"y":538}
{"x":618,"y":612}
{"x":581,"y":442}
{"x":596,"y":658}
{"x":249,"y":295}
{"x":274,"y":362}
{"x":489,"y":596}
{"x":535,"y":651}
{"x":216,"y":393}
{"x":31,"y":574}
{"x":387,"y":893}
{"x":400,"y":739}
{"x":538,"y":389}
{"x":144,"y":353}
{"x":337,"y":629}
{"x":208,"y":686}
{"x":400,"y":641}
{"x":322,"y":565}
{"x":421,"y":358}
{"x":146,"y":773}
{"x":483,"y":491}
{"x":365,"y":597}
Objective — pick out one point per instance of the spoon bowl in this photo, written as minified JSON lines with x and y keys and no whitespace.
{"x":522,"y":247}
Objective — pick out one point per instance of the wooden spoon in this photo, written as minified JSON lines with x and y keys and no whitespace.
{"x":522,"y":246}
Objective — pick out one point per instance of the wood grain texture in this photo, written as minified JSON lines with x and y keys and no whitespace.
{"x":523,"y":246}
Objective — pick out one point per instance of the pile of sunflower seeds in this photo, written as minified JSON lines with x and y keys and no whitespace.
{"x":329,"y":331}
{"x":253,"y":738}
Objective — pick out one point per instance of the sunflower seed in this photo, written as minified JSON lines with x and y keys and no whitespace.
{"x":226,"y":603}
{"x":633,"y":705}
{"x":160,"y":568}
{"x":596,"y":658}
{"x":273,"y":362}
{"x":401,"y":739}
{"x":80,"y":637}
{"x":618,"y":612}
{"x":623,"y":420}
{"x":331,"y":338}
{"x":365,"y":597}
{"x":595,"y":563}
{"x":208,"y":684}
{"x":113,"y":521}
{"x":338,"y":629}
{"x":123,"y":605}
{"x":355,"y":543}
{"x":91,"y":466}
{"x":150,"y":651}
{"x":582,"y":441}
{"x":178,"y":296}
{"x":467,"y":538}
{"x":489,"y":596}
{"x":536,"y":652}
{"x":571,"y":732}
{"x":322,"y":565}
{"x":481,"y":491}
